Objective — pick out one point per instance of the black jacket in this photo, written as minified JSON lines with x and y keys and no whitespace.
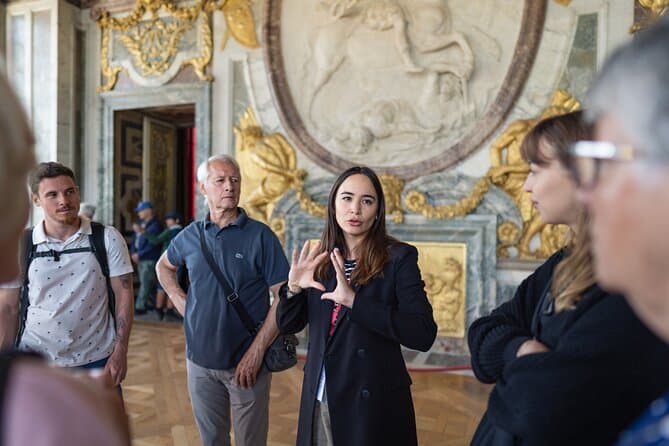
{"x":367,"y":382}
{"x":605,"y":368}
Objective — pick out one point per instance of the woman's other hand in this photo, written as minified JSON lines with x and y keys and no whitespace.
{"x":342,"y":294}
{"x":302,"y":268}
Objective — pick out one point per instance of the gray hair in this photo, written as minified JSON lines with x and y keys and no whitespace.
{"x":87,"y":209}
{"x":16,"y":159}
{"x":203,"y":168}
{"x":633,"y":86}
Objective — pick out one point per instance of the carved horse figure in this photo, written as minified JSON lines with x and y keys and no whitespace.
{"x":329,"y":47}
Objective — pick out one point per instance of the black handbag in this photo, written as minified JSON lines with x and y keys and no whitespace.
{"x":282,"y":353}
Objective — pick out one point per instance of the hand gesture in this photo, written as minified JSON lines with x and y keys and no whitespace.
{"x":531,"y":346}
{"x":342,"y":294}
{"x":302,"y":268}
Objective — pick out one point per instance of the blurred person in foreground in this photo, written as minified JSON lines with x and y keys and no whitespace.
{"x":40,"y":405}
{"x":623,"y":178}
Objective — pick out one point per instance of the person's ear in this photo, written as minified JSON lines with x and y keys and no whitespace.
{"x":35,"y":199}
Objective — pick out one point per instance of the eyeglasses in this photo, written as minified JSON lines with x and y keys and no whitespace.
{"x":587,"y":157}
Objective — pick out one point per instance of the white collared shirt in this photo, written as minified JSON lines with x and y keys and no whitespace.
{"x":68,"y":319}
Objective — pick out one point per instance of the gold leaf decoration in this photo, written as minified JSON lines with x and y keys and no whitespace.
{"x":153,"y":43}
{"x":655,"y":8}
{"x":417,"y":201}
{"x":269,"y":168}
{"x":392,"y":191}
{"x":240,"y":22}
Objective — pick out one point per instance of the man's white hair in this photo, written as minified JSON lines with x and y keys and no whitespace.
{"x":16,"y":158}
{"x":203,"y":168}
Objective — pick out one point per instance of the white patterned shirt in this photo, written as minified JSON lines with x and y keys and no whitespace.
{"x":68,"y":319}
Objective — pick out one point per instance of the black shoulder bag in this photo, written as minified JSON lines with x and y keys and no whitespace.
{"x":281,"y":354}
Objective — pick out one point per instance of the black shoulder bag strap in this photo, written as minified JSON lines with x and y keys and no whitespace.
{"x":97,"y":242}
{"x":231,"y":296}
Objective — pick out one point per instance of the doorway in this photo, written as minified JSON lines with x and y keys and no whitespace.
{"x":154,"y":160}
{"x":166,"y":96}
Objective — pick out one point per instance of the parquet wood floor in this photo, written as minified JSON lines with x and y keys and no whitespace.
{"x":448,"y":406}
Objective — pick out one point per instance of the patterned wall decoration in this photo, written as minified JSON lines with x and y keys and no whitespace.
{"x":155,"y":41}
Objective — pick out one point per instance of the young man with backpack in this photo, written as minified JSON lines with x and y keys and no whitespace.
{"x":76,"y":303}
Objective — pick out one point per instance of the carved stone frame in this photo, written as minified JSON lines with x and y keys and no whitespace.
{"x":534,"y":12}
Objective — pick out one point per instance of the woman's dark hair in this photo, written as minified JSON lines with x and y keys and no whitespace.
{"x":373,"y":254}
{"x":575,"y":273}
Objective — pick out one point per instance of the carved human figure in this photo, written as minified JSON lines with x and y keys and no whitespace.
{"x":383,"y":119}
{"x":446,"y":295}
{"x":422,"y":36}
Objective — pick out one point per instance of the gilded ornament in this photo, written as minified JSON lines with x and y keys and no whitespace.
{"x":240,"y":23}
{"x":655,"y":8}
{"x":392,"y":190}
{"x":508,"y":171}
{"x":417,"y":201}
{"x":443,"y":268}
{"x":508,"y":234}
{"x":269,"y":169}
{"x":153,"y":43}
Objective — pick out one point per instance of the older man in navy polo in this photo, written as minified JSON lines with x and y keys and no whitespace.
{"x":225,"y":363}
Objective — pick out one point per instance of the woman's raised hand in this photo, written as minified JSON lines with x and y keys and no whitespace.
{"x":302,"y":268}
{"x":342,"y":294}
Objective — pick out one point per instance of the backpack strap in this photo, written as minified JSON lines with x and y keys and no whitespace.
{"x":97,"y":242}
{"x":28,"y":254}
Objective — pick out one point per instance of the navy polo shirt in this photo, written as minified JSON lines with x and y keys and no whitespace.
{"x":251,"y":258}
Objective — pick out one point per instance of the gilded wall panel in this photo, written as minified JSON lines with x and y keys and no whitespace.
{"x":444,"y":270}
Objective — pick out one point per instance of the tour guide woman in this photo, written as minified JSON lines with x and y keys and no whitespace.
{"x":362,"y":295}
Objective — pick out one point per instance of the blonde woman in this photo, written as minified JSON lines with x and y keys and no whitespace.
{"x":571,"y":363}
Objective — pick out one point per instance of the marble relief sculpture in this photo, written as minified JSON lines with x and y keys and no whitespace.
{"x":410,"y":87}
{"x":377,"y":44}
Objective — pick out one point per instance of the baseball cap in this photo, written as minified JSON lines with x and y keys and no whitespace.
{"x":173,"y":216}
{"x":143,"y":205}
